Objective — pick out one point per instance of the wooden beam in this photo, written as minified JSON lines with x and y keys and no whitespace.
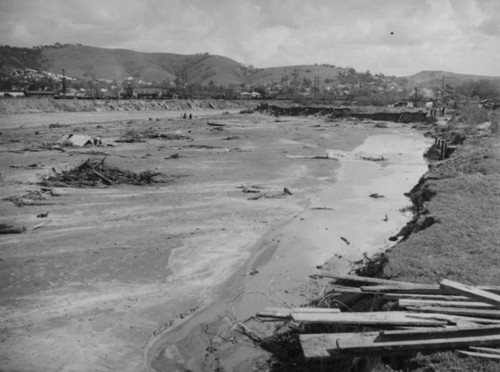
{"x":364,"y":279}
{"x":470,"y":291}
{"x":284,"y":312}
{"x":366,"y":344}
{"x":486,"y":349}
{"x":475,"y":330}
{"x":410,"y":302}
{"x":420,"y":289}
{"x":400,"y":318}
{"x":275,"y":312}
{"x":454,"y":319}
{"x":416,"y":296}
{"x":480,"y":355}
{"x":479,"y":313}
{"x":342,"y":344}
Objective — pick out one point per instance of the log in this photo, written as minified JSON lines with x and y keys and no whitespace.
{"x":470,"y":291}
{"x":409,"y":302}
{"x":399,"y":318}
{"x":479,"y":313}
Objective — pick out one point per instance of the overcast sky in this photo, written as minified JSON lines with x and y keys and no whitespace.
{"x":396,"y":37}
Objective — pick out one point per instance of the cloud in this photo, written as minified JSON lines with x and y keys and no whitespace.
{"x":391,"y":36}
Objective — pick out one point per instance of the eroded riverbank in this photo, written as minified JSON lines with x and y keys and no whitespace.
{"x":341,"y":224}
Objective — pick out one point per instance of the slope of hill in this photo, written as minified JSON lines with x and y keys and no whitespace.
{"x":434,"y":79}
{"x":276,"y":74}
{"x":90,"y":63}
{"x":117,"y":64}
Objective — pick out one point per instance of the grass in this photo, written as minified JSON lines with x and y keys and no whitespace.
{"x":464,"y":242}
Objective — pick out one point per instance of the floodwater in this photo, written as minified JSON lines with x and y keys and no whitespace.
{"x":342,"y":225}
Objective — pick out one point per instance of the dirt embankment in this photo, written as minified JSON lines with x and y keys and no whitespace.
{"x":455,"y":233}
{"x":34,"y":105}
{"x":378,"y":114}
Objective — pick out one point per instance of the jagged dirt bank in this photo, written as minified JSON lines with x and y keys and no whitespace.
{"x":455,"y":232}
{"x":34,"y":105}
{"x":454,"y":235}
{"x":368,"y":113}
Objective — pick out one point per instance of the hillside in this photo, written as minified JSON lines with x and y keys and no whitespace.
{"x":434,"y":79}
{"x":40,"y":69}
{"x":87,"y":62}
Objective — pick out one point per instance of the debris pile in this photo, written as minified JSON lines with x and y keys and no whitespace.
{"x":416,"y":318}
{"x":93,"y":172}
{"x":34,"y":197}
{"x":132,"y":136}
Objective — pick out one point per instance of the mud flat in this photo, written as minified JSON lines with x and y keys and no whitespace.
{"x":341,"y":225}
{"x":126,"y":277}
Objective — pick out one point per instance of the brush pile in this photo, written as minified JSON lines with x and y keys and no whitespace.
{"x":95,"y":172}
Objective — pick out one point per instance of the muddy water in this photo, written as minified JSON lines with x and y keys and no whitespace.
{"x":342,"y":225}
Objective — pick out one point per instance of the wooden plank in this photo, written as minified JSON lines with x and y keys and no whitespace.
{"x":475,"y":330}
{"x":454,"y":319}
{"x":486,"y":349}
{"x":416,"y":296}
{"x":284,"y":312}
{"x":366,"y":344}
{"x":420,"y":289}
{"x":364,"y":279}
{"x":367,"y":318}
{"x":275,"y":312}
{"x":479,"y":355}
{"x":315,"y":310}
{"x":470,"y":291}
{"x":409,"y":302}
{"x":479,"y":313}
{"x":341,"y":344}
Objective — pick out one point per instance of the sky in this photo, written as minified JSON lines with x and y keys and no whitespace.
{"x":394,"y":37}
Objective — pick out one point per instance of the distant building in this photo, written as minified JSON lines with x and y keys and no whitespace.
{"x":147,"y":93}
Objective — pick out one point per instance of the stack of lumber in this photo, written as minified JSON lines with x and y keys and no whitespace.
{"x":444,"y":316}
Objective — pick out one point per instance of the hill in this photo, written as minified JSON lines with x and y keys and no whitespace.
{"x":434,"y":79}
{"x":86,"y":62}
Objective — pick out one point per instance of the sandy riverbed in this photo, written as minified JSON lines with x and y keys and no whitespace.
{"x":117,"y":274}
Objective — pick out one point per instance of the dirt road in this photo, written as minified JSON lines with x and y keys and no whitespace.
{"x":94,"y":284}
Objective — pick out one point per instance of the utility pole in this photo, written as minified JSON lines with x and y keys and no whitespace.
{"x":64,"y":82}
{"x":442,"y":90}
{"x":415,"y":101}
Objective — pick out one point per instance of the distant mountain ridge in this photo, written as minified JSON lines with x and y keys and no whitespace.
{"x":87,"y":62}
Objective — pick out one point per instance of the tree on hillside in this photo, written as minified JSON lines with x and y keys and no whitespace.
{"x":481,"y":89}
